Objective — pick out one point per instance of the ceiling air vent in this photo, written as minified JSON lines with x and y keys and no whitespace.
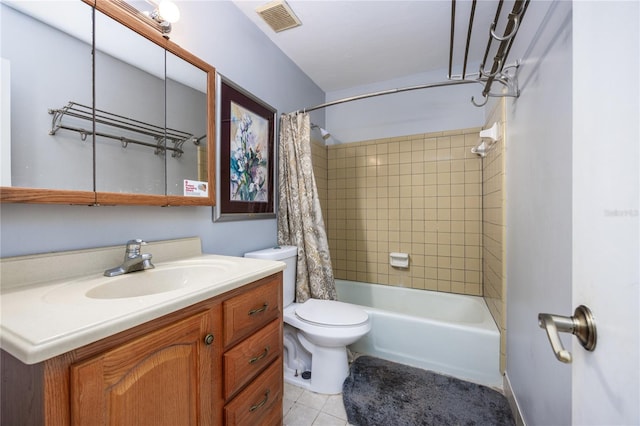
{"x":278,"y":15}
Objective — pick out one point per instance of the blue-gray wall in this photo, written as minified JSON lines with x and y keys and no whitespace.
{"x":221,"y":35}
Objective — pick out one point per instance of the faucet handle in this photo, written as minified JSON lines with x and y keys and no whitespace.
{"x":133,"y":246}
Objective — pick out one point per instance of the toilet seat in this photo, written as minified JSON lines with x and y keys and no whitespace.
{"x":330,"y":313}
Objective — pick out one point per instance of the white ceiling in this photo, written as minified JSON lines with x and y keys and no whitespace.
{"x":343,"y":44}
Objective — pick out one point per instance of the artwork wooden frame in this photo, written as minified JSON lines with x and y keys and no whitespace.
{"x":246,"y":155}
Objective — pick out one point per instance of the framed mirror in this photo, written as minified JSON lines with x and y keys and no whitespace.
{"x":187,"y":136}
{"x":40,"y":161}
{"x":129,"y":88}
{"x":154,"y":112}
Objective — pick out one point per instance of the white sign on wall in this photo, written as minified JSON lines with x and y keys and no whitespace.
{"x":196,"y":188}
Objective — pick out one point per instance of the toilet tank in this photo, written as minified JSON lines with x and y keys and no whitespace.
{"x":288,"y":255}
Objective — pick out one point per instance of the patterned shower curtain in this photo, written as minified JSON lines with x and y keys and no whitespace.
{"x":299,"y":215}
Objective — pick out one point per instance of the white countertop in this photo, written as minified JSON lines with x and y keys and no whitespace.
{"x":44,"y":320}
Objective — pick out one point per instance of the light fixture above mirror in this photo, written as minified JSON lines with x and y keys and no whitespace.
{"x":159,"y":15}
{"x":165,"y":13}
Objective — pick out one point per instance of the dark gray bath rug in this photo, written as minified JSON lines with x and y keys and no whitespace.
{"x":381,"y":393}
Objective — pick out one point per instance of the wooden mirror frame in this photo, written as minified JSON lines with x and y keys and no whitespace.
{"x":119,"y":11}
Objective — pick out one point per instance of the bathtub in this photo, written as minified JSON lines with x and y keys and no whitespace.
{"x":447,"y":333}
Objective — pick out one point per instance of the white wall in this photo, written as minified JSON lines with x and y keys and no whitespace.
{"x":406,"y":113}
{"x":221,"y":35}
{"x":606,"y":194}
{"x":538,"y":212}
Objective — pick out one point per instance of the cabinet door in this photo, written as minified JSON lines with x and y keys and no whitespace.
{"x":162,"y":378}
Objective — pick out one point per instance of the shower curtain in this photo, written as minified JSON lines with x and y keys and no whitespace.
{"x":299,"y":215}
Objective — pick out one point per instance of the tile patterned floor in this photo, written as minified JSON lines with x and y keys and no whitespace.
{"x":305,"y":408}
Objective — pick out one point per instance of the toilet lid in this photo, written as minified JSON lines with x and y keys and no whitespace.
{"x":331,"y":312}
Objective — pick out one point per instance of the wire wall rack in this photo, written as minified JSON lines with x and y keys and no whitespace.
{"x":499,"y":71}
{"x":162,"y":139}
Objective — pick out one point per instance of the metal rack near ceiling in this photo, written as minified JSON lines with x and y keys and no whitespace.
{"x":497,"y":45}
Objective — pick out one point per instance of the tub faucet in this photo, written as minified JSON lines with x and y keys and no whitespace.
{"x":133,"y":260}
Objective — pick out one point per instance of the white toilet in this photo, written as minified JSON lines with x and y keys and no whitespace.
{"x":316,"y":332}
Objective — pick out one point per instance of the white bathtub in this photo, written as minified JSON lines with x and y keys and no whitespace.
{"x":447,"y":333}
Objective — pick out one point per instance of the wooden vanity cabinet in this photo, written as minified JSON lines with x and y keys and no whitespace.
{"x":253,"y":371}
{"x":202,"y":365}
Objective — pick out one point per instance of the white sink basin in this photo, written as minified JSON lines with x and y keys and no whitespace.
{"x":152,"y":281}
{"x":164,"y":278}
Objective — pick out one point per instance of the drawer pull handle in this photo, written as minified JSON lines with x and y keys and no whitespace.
{"x":261,"y":403}
{"x":259,"y":357}
{"x":208,"y":339}
{"x":258,"y":310}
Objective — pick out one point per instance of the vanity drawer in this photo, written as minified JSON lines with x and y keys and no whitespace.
{"x":261,"y":402}
{"x":247,"y":359}
{"x":251,"y":311}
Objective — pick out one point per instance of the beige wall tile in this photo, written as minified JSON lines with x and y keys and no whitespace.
{"x":494,"y":280}
{"x":420,"y":194}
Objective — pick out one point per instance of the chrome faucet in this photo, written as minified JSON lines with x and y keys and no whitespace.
{"x":133,"y":260}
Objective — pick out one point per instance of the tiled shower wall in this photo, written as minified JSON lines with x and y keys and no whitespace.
{"x":419,"y":194}
{"x":494,"y":276}
{"x":319,"y":161}
{"x":426,"y":195}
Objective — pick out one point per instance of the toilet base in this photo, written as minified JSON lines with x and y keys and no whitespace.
{"x":324,"y":383}
{"x":329,"y":369}
{"x":329,"y":366}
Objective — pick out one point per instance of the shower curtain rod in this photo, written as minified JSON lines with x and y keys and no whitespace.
{"x":388,"y":92}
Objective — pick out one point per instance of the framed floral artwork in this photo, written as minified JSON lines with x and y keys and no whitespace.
{"x":245,"y":155}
